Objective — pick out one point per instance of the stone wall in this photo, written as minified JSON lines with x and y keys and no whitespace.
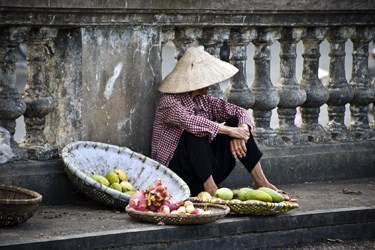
{"x":107,"y":79}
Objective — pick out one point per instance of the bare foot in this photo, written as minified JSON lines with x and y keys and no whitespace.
{"x":210,"y":186}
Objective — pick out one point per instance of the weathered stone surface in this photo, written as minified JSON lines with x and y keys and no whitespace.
{"x":193,"y":5}
{"x":171,"y":12}
{"x":64,"y":123}
{"x":120,"y":74}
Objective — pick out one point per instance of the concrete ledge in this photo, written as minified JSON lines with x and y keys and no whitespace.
{"x":311,"y":163}
{"x":282,"y":165}
{"x":45,"y":177}
{"x":232,"y":232}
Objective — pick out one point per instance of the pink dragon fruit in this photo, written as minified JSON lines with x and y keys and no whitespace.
{"x":156,"y":193}
{"x":172,"y":204}
{"x":153,"y":208}
{"x":138,"y":201}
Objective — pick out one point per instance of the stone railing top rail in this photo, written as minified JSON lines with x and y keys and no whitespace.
{"x":188,"y":12}
{"x":238,"y":5}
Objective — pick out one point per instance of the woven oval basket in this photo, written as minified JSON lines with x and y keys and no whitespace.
{"x":82,"y":159}
{"x":17,"y":204}
{"x":218,"y":212}
{"x":254,"y":207}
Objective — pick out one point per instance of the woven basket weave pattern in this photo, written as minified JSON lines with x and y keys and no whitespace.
{"x":218,"y":212}
{"x":84,"y":158}
{"x":254,"y":207}
{"x":17,"y":204}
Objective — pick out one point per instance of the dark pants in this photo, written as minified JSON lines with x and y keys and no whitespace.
{"x":195,"y":159}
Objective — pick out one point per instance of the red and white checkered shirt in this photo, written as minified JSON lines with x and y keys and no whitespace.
{"x":201,"y":117}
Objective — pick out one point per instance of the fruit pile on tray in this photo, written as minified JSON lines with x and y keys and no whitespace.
{"x":248,"y":201}
{"x":155,"y":204}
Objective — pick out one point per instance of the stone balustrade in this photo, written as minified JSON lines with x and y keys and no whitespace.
{"x":94,"y":70}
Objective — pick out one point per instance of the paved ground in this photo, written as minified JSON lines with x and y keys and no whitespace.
{"x":89,"y":218}
{"x":331,"y":244}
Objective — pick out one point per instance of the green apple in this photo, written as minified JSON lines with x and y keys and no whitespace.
{"x":116,"y":186}
{"x":112,"y":177}
{"x":100,"y":179}
{"x":127,"y":186}
{"x":121,"y":174}
{"x":204,"y":196}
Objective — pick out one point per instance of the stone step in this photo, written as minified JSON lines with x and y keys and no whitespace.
{"x":282,"y":165}
{"x":325,"y":212}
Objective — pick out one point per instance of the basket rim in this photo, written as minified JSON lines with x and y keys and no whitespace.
{"x":250,"y":203}
{"x":37,"y":197}
{"x":245,"y":207}
{"x":224,"y":210}
{"x":69,"y":166}
{"x":183,"y":218}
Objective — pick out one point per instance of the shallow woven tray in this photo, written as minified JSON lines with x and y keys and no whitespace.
{"x":82,"y":159}
{"x":254,"y":207}
{"x":17,"y":204}
{"x":218,"y":212}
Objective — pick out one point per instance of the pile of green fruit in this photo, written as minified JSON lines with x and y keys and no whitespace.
{"x":243,"y":194}
{"x":117,"y":180}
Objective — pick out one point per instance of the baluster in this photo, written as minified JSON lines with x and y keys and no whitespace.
{"x":291,"y":95}
{"x":11,"y":104}
{"x":266,"y":96}
{"x":37,"y":96}
{"x":185,"y":38}
{"x":372,"y":125}
{"x":316,"y":93}
{"x":363,"y":91}
{"x":339,"y":91}
{"x":212,"y":39}
{"x":238,"y":91}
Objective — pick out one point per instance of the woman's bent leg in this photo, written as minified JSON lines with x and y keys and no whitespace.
{"x":193,"y":160}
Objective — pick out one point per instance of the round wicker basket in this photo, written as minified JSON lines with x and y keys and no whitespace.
{"x":218,"y":212}
{"x":82,"y":159}
{"x":17,"y":204}
{"x":254,"y":207}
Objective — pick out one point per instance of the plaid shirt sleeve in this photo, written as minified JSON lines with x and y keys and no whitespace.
{"x":222,"y":110}
{"x":181,"y":113}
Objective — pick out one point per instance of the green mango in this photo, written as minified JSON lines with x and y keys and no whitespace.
{"x":276,"y":197}
{"x":224,"y":193}
{"x":101,"y":179}
{"x":241,"y":195}
{"x":260,"y":195}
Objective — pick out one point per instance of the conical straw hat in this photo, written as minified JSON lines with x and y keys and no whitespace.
{"x":196,"y":69}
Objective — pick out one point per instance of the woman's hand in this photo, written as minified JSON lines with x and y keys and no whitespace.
{"x":240,"y":132}
{"x":240,"y":136}
{"x":238,"y":148}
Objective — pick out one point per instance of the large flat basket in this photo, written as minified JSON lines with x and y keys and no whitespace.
{"x":218,"y":212}
{"x":82,"y":159}
{"x":254,"y":207}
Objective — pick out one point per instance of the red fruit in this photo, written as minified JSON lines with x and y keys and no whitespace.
{"x":138,"y":201}
{"x":196,"y":211}
{"x":172,"y":204}
{"x":157,"y":191}
{"x":153,"y":208}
